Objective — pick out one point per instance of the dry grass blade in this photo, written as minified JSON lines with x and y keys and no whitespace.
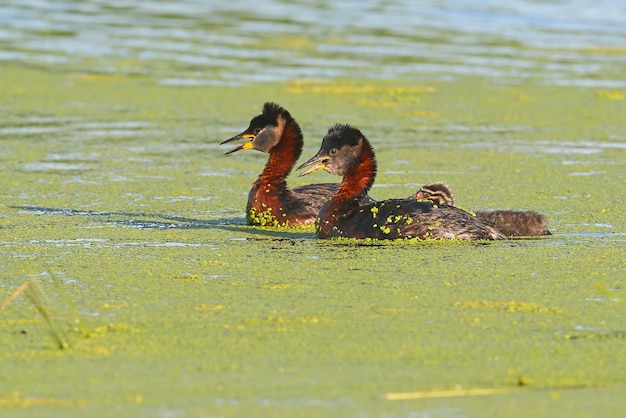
{"x":69,"y":303}
{"x":443,"y":394}
{"x":15,"y":294}
{"x":57,"y":335}
{"x":610,"y":294}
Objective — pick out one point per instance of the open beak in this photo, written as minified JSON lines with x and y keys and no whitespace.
{"x":243,"y":135}
{"x":318,"y":163}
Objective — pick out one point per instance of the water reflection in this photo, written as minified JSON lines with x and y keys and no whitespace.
{"x":197,"y":42}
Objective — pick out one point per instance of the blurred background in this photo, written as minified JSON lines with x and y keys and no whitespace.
{"x":194,"y":42}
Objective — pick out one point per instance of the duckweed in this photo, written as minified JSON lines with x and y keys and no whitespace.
{"x":174,"y":287}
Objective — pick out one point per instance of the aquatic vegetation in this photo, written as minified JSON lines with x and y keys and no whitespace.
{"x":510,"y":306}
{"x":169,"y":281}
{"x":350,"y":87}
{"x":19,"y":401}
{"x":611,"y":95}
{"x":609,"y":293}
{"x":37,"y":295}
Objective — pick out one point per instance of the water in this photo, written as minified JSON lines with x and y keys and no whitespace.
{"x":239,"y":41}
{"x":115,"y":182}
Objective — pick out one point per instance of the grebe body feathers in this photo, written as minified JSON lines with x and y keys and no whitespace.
{"x":512,"y":223}
{"x":270,"y":201}
{"x":346,"y":152}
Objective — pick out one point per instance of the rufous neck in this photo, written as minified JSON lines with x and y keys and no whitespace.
{"x":284,"y":155}
{"x":359,"y":180}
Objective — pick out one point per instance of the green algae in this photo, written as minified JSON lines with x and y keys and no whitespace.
{"x":117,"y":186}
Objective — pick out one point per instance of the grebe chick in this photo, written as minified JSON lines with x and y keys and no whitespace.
{"x":516,"y":223}
{"x":512,"y":223}
{"x":270,"y":201}
{"x":439,"y":192}
{"x":346,"y":152}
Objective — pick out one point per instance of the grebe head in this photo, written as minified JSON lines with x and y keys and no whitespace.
{"x":340,"y":151}
{"x":265,"y":130}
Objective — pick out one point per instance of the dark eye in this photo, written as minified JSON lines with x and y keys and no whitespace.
{"x":257,"y":130}
{"x":333,"y":151}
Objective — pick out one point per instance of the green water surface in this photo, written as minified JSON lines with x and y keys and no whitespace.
{"x":117,"y":186}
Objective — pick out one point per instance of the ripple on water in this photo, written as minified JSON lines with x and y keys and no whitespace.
{"x":553,"y":147}
{"x":27,"y":130}
{"x":595,"y":234}
{"x":78,"y":129}
{"x":400,"y":39}
{"x":587,"y":173}
{"x":107,"y":243}
{"x":45,"y":167}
